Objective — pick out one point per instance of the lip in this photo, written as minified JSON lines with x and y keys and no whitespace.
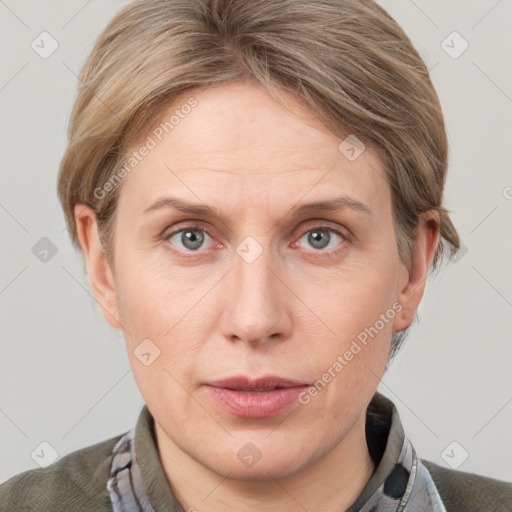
{"x":261,"y":397}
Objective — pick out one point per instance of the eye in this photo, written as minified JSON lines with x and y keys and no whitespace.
{"x":191,"y":238}
{"x":323,"y":238}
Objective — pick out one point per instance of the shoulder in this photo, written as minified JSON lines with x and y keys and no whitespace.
{"x":468,"y":492}
{"x":77,"y":481}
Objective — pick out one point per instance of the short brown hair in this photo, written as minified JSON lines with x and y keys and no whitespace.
{"x":348,"y":61}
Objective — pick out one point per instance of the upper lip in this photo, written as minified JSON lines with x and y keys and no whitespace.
{"x":243,"y":383}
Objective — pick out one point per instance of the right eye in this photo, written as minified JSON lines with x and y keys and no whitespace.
{"x":191,"y":238}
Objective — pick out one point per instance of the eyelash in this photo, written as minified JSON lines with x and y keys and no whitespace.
{"x":347,"y":238}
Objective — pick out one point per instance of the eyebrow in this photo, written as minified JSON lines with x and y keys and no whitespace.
{"x":330,"y":205}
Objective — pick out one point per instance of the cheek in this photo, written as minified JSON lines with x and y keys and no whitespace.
{"x":162,"y":345}
{"x":353,"y":297}
{"x":357,"y":309}
{"x":164,"y":317}
{"x":148,"y":297}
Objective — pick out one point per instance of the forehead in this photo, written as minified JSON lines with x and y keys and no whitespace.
{"x":236,"y":141}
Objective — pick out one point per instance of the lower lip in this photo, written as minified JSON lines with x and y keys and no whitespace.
{"x":255,"y":405}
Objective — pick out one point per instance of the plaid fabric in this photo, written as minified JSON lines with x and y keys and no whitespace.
{"x":408,"y":487}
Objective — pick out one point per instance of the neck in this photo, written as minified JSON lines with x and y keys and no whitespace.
{"x":330,"y":484}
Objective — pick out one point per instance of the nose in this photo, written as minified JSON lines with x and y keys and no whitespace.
{"x":256,"y":302}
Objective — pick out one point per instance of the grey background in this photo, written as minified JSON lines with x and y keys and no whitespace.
{"x":64,"y":374}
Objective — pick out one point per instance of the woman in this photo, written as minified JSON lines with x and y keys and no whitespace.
{"x":257,"y":189}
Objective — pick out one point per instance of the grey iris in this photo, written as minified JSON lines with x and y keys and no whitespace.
{"x":192,"y":239}
{"x":319,"y":238}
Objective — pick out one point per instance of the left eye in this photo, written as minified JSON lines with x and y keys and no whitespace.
{"x":321,"y":238}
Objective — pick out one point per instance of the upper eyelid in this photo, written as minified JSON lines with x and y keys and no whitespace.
{"x":319,"y":225}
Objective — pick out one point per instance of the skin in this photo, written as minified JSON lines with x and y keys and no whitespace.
{"x":291,"y":312}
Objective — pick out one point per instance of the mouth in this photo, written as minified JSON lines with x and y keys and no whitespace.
{"x":257,"y":385}
{"x":261,"y":397}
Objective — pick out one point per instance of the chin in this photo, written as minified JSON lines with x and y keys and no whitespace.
{"x":274,"y":461}
{"x":261,"y":471}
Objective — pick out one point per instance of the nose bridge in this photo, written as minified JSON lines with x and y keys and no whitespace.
{"x":255,"y":307}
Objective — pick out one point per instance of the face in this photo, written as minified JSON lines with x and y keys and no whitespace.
{"x":253,"y":323}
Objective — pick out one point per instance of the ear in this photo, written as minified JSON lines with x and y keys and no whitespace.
{"x":98,"y":269}
{"x":413,"y":278}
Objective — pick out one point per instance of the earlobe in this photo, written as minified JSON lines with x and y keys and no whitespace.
{"x":98,"y":268}
{"x":413,"y":278}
